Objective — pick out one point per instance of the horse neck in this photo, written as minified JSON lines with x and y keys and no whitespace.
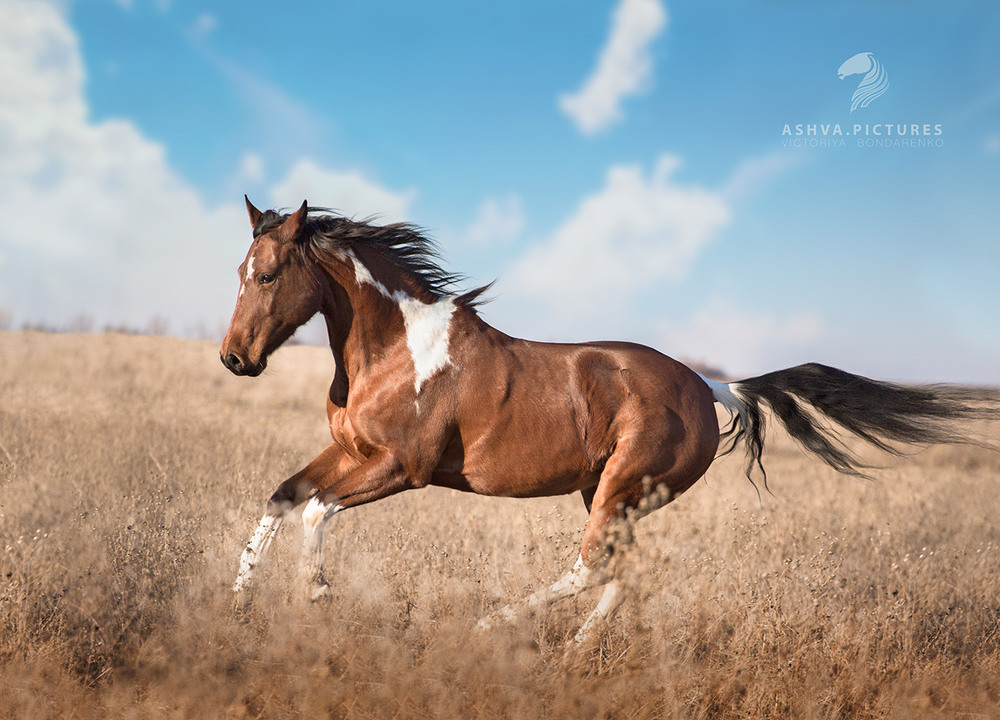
{"x":363,"y":312}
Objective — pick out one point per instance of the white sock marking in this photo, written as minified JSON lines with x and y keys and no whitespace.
{"x":255,"y":549}
{"x":315,"y":517}
{"x":572,"y":583}
{"x":610,"y":601}
{"x":316,"y":513}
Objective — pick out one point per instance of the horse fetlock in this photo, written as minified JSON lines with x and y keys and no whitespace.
{"x":315,"y":582}
{"x":319,"y":592}
{"x":504,"y":616}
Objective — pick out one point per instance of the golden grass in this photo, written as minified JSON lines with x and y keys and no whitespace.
{"x":132,"y":471}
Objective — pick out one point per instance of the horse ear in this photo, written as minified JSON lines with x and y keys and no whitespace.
{"x":291,"y":227}
{"x":253,"y":212}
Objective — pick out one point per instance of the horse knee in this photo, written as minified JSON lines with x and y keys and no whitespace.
{"x":290,"y":493}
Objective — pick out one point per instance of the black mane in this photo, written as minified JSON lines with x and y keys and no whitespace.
{"x":268,"y":221}
{"x":403,"y":244}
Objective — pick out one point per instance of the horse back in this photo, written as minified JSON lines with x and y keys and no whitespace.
{"x":543,"y":418}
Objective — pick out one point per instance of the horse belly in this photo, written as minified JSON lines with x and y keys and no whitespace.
{"x":528,"y":468}
{"x":501,"y":484}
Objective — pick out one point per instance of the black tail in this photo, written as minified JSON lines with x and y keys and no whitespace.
{"x":885,"y":415}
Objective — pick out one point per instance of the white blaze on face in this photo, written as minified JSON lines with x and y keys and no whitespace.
{"x":249,"y":275}
{"x":427,"y":326}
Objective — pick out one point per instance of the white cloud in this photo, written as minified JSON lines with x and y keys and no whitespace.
{"x":349,"y":192}
{"x":251,"y":168}
{"x":41,"y":72}
{"x":499,"y":221}
{"x":741,"y":339}
{"x":755,"y":174}
{"x":204,"y":25}
{"x":632,"y":234}
{"x":249,"y":177}
{"x":624,"y":67}
{"x":284,"y":124}
{"x":609,"y":269}
{"x":96,"y":222}
{"x":992,"y":144}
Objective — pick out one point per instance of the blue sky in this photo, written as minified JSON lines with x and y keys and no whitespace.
{"x":619,"y":167}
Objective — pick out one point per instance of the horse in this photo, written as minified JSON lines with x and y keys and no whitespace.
{"x":427,"y":393}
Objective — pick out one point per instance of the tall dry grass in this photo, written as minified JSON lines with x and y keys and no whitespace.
{"x":133,"y":469}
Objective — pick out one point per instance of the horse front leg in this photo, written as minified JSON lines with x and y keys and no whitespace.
{"x":295,"y":490}
{"x":379,"y":476}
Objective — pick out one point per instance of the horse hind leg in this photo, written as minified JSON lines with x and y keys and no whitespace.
{"x":627,"y":492}
{"x":611,"y":599}
{"x":614,"y":594}
{"x":638,"y":478}
{"x":606,"y":536}
{"x":574,"y":582}
{"x":580,"y":578}
{"x":594,"y":570}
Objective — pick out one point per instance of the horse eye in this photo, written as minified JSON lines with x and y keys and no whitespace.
{"x":265,"y":278}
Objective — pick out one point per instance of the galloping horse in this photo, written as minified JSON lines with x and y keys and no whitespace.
{"x":426,"y":393}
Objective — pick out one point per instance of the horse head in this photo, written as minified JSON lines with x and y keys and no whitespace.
{"x":278,"y":291}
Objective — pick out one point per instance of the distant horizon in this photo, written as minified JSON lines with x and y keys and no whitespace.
{"x":156,"y":328}
{"x":755,"y":188}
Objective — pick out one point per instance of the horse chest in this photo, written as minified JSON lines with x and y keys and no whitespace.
{"x":384,"y":415}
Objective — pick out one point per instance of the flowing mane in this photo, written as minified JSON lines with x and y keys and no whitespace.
{"x":403,"y":244}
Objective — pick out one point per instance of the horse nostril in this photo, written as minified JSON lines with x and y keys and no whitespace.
{"x":233,"y":362}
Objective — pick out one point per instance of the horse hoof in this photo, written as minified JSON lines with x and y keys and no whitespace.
{"x":504,"y":616}
{"x":241,"y":595}
{"x":320,"y":594}
{"x":484,"y":625}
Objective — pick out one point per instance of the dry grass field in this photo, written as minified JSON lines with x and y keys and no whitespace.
{"x":133,"y":469}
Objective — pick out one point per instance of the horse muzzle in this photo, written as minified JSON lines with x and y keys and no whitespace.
{"x":239,"y":365}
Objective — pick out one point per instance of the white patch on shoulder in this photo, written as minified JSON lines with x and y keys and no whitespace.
{"x":427,"y":331}
{"x":428,"y":326}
